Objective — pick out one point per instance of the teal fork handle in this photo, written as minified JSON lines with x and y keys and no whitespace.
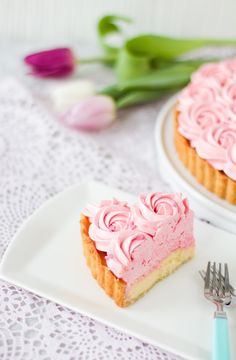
{"x":221,"y":349}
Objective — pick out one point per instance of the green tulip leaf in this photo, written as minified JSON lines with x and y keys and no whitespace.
{"x":157,"y":82}
{"x":107,"y":26}
{"x":113,"y":91}
{"x":166,"y":78}
{"x":141,"y":97}
{"x":141,"y":54}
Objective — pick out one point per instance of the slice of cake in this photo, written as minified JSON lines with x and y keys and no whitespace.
{"x":205,"y":128}
{"x":131,"y":247}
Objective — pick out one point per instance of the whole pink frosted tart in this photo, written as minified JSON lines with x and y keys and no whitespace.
{"x":206,"y":118}
{"x":130,"y":247}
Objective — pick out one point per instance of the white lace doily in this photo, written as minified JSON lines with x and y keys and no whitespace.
{"x":38,"y":158}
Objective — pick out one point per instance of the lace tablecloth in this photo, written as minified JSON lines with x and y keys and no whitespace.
{"x":39,"y":158}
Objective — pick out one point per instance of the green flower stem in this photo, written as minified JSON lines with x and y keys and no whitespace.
{"x":141,"y":97}
{"x":97,"y":59}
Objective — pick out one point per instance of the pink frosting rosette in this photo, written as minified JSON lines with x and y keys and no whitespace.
{"x":214,"y":144}
{"x":203,"y":91}
{"x":198,"y":116}
{"x":155,"y":209}
{"x":218,"y":72}
{"x":91,"y":209}
{"x":231,"y":65}
{"x":110,"y":218}
{"x":229,"y":90}
{"x":121,"y":249}
{"x":229,"y":95}
{"x":230,"y":166}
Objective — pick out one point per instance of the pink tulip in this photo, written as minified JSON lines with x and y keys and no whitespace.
{"x":55,"y":63}
{"x":90,"y":114}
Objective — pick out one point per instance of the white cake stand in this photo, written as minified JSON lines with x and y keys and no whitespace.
{"x":205,"y":204}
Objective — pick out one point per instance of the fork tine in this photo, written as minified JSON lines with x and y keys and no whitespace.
{"x":220,"y":287}
{"x":202,"y":274}
{"x":227,"y":287}
{"x":208,"y":277}
{"x":213,"y":284}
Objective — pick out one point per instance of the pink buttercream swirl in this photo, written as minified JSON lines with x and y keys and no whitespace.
{"x":217,"y":72}
{"x":121,"y":249}
{"x":108,"y":219}
{"x":231,"y":65}
{"x":91,"y":209}
{"x":229,"y":90}
{"x":207,"y":114}
{"x":202,"y":91}
{"x":199,"y":116}
{"x":214,"y":143}
{"x":229,"y":95}
{"x":155,"y":208}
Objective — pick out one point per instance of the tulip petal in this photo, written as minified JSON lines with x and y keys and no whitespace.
{"x":91,"y":114}
{"x":71,"y":92}
{"x":55,"y":63}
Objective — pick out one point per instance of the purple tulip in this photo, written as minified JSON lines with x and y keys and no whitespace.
{"x":90,"y":114}
{"x":55,"y":63}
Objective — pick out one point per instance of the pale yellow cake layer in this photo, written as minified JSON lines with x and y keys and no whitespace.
{"x":168,"y":266}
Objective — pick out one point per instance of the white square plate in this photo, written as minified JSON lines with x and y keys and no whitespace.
{"x":46,"y":257}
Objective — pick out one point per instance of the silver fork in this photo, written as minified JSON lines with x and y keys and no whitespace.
{"x":232,"y":303}
{"x":217,"y":290}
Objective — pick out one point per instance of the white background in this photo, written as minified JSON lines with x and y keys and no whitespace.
{"x":67,"y":20}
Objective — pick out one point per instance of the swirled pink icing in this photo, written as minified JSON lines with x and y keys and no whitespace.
{"x":218,"y":72}
{"x":120,"y":252}
{"x":156,"y":208}
{"x":207,"y":114}
{"x":107,"y":220}
{"x":202,"y":91}
{"x":137,"y":238}
{"x":214,"y":143}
